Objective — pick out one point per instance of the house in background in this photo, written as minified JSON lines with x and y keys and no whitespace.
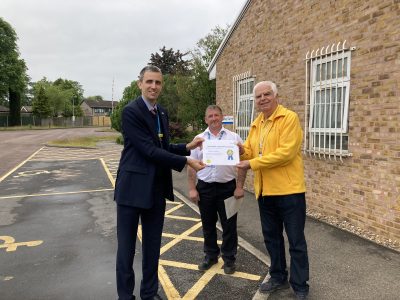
{"x":26,"y":110}
{"x":337,"y":64}
{"x":97,"y":107}
{"x":4,"y":111}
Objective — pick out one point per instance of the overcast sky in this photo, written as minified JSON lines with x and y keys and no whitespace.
{"x":94,"y":41}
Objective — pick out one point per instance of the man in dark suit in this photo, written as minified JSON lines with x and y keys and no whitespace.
{"x":144,"y":181}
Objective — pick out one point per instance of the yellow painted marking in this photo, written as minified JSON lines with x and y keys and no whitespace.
{"x":17,"y":167}
{"x":174,"y":208}
{"x":169,"y":288}
{"x":10,"y":245}
{"x":214,"y":269}
{"x":171,"y":292}
{"x":178,"y":264}
{"x":183,"y":218}
{"x":203,"y":281}
{"x":180,"y":238}
{"x":189,"y":238}
{"x":76,"y":157}
{"x":53,"y":194}
{"x":173,"y":202}
{"x":109,"y":175}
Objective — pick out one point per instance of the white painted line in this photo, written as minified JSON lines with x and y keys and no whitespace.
{"x":17,"y":167}
{"x":53,"y":194}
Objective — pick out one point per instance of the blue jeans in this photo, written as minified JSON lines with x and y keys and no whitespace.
{"x":289,"y":212}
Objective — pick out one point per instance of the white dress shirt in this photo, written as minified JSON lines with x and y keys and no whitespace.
{"x":216,"y":173}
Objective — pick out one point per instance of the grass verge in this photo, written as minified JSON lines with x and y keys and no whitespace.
{"x":81,"y":142}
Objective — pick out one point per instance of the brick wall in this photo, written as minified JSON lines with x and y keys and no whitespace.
{"x":272,"y":40}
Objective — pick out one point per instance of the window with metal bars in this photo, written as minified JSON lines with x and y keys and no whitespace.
{"x":243,"y":104}
{"x":327,"y":102}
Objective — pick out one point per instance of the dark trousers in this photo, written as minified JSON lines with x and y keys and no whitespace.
{"x":211,"y":204}
{"x":152,"y":221}
{"x":289,"y":211}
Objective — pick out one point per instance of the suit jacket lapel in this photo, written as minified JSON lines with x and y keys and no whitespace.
{"x":148,"y":118}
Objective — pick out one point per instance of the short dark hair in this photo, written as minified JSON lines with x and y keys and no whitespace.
{"x":149,"y":68}
{"x":213,"y":106}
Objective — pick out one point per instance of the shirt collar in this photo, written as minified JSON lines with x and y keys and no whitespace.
{"x":207,"y":131}
{"x":148,"y":104}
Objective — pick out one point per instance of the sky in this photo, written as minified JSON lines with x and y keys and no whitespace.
{"x":96,"y":42}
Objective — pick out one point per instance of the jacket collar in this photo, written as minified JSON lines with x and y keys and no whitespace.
{"x":280,"y":111}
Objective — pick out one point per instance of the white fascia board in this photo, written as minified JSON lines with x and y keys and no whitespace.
{"x":226,"y":38}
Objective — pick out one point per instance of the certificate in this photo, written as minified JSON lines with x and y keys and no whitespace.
{"x":220,"y":152}
{"x":232,"y":206}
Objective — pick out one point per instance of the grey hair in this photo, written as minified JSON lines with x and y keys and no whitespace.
{"x":212,"y":107}
{"x":149,"y":68}
{"x":270,"y":84}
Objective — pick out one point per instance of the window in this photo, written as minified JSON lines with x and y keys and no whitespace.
{"x":243,"y":103}
{"x":327,"y":104}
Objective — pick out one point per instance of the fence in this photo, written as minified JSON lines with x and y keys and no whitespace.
{"x":97,"y":121}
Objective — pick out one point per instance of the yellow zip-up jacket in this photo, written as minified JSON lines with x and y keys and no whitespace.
{"x":278,"y":167}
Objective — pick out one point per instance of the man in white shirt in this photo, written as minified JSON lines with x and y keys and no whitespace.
{"x":214,"y":185}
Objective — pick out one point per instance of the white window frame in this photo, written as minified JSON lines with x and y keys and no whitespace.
{"x":243,"y":103}
{"x":328,"y":135}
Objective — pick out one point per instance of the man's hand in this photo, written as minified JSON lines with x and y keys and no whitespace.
{"x":197,"y":142}
{"x":194,"y":196}
{"x":244,"y":165}
{"x":197,"y":165}
{"x":238,"y":193}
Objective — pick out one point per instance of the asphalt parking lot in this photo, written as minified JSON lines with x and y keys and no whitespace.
{"x":58,"y":231}
{"x":57,"y":238}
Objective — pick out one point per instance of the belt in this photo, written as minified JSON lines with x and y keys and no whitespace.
{"x":215,"y":182}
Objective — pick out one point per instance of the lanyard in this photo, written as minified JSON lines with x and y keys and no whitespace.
{"x":263,"y":134}
{"x":220,"y":135}
{"x":160,"y":135}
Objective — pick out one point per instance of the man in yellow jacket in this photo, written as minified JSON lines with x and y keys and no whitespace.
{"x":273,"y":151}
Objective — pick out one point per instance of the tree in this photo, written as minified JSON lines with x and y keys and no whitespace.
{"x":13,"y":77}
{"x":40,"y":105}
{"x":63,"y":96}
{"x":169,"y":61}
{"x":130,"y":93}
{"x":95,"y":98}
{"x":197,"y":91}
{"x":74,"y":91}
{"x":208,"y":46}
{"x":187,"y":93}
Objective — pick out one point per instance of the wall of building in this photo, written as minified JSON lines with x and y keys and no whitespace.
{"x":272,"y":40}
{"x":86,"y":109}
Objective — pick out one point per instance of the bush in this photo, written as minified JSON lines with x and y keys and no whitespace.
{"x":120,"y":139}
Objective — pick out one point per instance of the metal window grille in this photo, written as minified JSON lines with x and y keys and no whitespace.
{"x":327,"y":102}
{"x":243,"y":103}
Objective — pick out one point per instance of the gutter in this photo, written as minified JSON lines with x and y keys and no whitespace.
{"x":211,"y":69}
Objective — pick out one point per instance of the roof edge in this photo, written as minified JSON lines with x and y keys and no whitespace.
{"x":228,"y":35}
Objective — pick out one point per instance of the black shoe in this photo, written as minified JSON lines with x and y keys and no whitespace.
{"x":301,"y":295}
{"x":229,"y":268}
{"x":207,"y":263}
{"x":272,"y":285}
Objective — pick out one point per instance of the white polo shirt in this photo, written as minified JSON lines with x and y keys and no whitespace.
{"x":216,"y":173}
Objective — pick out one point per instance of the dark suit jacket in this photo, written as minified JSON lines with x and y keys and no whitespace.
{"x":143,"y":156}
